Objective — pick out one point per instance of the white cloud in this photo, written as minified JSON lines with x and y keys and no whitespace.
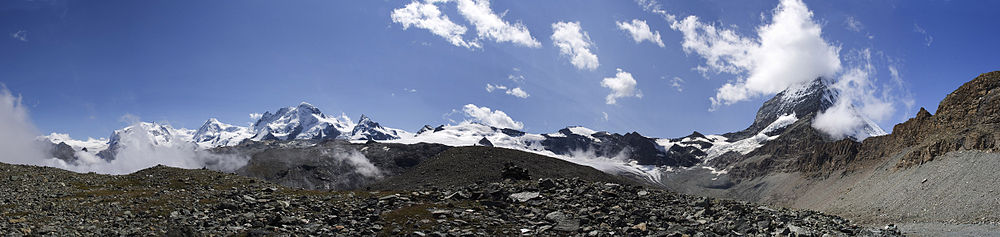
{"x":518,"y":92}
{"x":788,"y":51}
{"x":676,"y":84}
{"x":410,"y":90}
{"x":622,"y":85}
{"x":516,"y":78}
{"x":490,"y":26}
{"x":17,"y":139}
{"x":605,"y":116}
{"x":853,"y":24}
{"x":21,"y":35}
{"x":928,"y":39}
{"x":143,"y":145}
{"x":640,"y":31}
{"x":859,"y":101}
{"x":575,"y":43}
{"x":129,"y":118}
{"x":428,"y":16}
{"x":489,"y":117}
{"x":490,"y":87}
{"x":255,"y":116}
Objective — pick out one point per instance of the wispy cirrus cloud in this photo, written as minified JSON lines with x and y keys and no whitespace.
{"x":928,"y":38}
{"x":21,"y":35}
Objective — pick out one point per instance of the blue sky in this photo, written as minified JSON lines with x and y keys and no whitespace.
{"x":80,"y":66}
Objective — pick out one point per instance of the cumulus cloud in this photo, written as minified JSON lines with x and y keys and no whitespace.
{"x":489,"y":26}
{"x":426,"y":15}
{"x":518,"y":92}
{"x":928,"y":39}
{"x":640,"y":31}
{"x":486,"y":116}
{"x":622,"y":85}
{"x":789,"y":51}
{"x":574,"y":43}
{"x":17,"y":139}
{"x":21,"y":35}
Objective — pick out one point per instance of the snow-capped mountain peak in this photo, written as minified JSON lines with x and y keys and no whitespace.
{"x":804,"y":100}
{"x":304,"y":121}
{"x":366,"y":129}
{"x":145,"y":134}
{"x":215,"y":134}
{"x":91,"y":144}
{"x":426,"y":128}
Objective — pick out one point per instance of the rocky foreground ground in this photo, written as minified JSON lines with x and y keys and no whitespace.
{"x":178,"y":202}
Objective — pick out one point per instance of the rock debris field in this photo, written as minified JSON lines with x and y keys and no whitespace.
{"x":178,"y":202}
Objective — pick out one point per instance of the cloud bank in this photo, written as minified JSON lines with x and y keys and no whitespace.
{"x":138,"y":149}
{"x":18,"y":133}
{"x":486,"y":116}
{"x":143,"y":145}
{"x":622,"y":85}
{"x":640,"y":31}
{"x":574,"y":43}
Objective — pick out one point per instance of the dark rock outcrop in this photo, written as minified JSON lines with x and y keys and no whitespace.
{"x":333,"y":164}
{"x":62,"y":151}
{"x":485,"y":142}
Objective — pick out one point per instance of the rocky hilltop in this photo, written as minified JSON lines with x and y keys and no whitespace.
{"x":177,"y":202}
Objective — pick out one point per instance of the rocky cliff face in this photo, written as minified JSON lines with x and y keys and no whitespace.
{"x":967,"y":119}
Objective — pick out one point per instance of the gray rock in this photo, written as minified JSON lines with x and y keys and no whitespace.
{"x":524,"y":196}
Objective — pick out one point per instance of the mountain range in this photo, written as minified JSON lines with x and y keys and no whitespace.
{"x":781,"y":159}
{"x":630,"y":153}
